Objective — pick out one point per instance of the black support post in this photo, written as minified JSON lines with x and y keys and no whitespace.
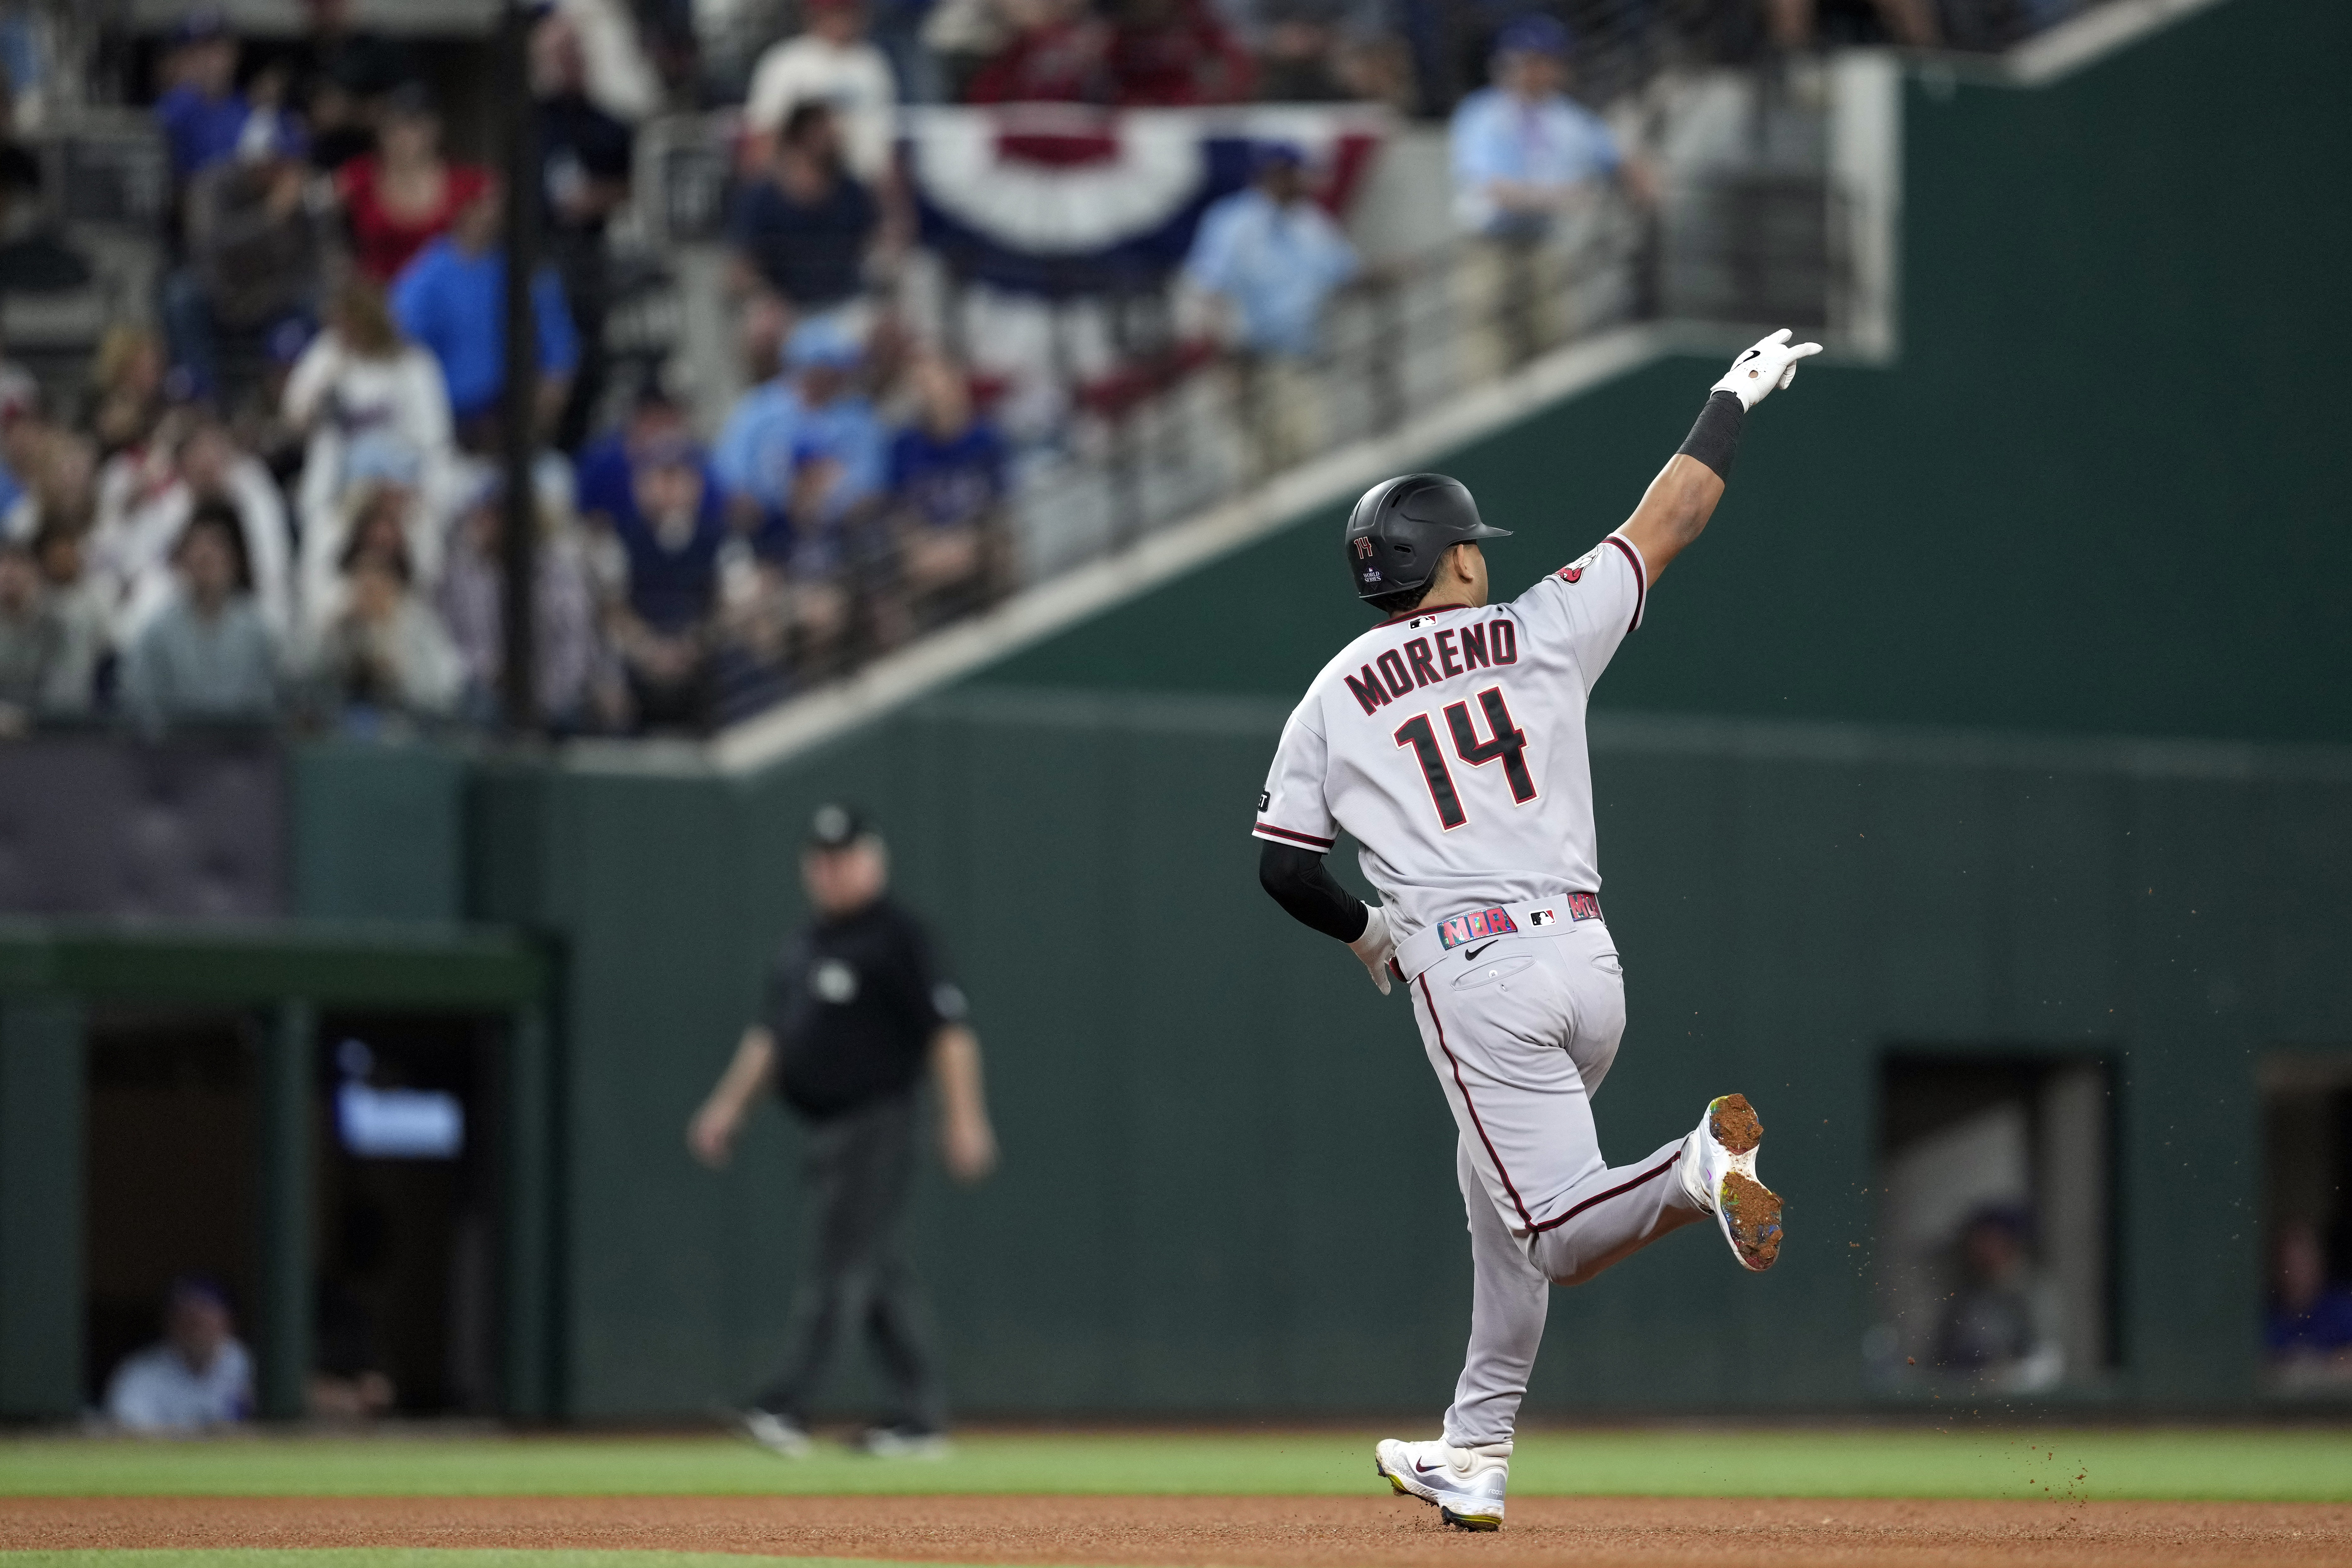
{"x":519,"y":416}
{"x":42,"y":1128}
{"x":527,"y":1219}
{"x":283,"y":1311}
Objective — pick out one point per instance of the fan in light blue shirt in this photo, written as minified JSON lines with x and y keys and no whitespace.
{"x":764,"y":422}
{"x":197,"y":1376}
{"x":1522,"y":148}
{"x":812,"y":409}
{"x":1273,"y":255}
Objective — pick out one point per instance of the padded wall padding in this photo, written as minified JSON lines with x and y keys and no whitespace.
{"x":192,"y":827}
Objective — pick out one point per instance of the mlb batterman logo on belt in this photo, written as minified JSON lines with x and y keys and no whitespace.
{"x":1580,"y":906}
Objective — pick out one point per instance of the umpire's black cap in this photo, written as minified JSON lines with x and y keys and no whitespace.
{"x":1403,"y":526}
{"x":833,"y":825}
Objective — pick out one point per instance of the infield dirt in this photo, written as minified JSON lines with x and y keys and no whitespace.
{"x":1259,"y":1533}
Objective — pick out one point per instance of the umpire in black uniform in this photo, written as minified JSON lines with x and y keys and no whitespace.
{"x":858,"y":1009}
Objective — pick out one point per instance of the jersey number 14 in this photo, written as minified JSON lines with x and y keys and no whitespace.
{"x":1507,"y":745}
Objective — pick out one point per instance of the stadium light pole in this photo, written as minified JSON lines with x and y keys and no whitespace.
{"x":519,"y":416}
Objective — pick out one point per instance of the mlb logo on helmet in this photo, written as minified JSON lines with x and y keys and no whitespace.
{"x":1475,"y":925}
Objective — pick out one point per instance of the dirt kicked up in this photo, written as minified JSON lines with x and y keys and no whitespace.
{"x":1244,"y":1532}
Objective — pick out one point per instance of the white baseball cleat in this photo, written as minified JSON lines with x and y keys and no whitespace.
{"x":1466,"y":1484}
{"x":1719,"y":1171}
{"x":904,"y":1443}
{"x":779,"y":1434}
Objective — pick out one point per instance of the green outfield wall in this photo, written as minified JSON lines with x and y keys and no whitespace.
{"x":1227,"y":1185}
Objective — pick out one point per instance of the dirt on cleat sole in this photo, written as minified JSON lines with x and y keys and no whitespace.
{"x":1735,"y":1124}
{"x":1754,"y":1211}
{"x":1469,"y":1521}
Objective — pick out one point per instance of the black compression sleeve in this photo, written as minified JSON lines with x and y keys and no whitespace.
{"x":1298,"y":881}
{"x":1715,"y":439}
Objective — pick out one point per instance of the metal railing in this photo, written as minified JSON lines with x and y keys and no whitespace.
{"x":1162,"y":420}
{"x":1184,"y":423}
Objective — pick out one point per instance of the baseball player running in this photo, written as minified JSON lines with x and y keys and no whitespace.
{"x":1449,"y":742}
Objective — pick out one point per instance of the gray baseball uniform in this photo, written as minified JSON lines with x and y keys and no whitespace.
{"x":1449,"y":744}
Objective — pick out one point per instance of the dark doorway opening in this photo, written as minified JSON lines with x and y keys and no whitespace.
{"x":2307,"y":1225}
{"x":1995,"y":1233}
{"x":405,"y":1196}
{"x":407,"y":1213}
{"x":169,"y":1173}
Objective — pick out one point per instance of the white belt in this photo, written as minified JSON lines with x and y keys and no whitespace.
{"x":1470,"y":930}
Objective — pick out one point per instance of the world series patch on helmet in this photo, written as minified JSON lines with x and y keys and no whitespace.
{"x":1402,"y":527}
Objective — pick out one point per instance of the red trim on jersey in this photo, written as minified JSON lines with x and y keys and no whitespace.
{"x":1427,"y":610}
{"x":1517,"y":1201}
{"x":1267,"y":831}
{"x":1641,"y":576}
{"x":1617,"y":1192}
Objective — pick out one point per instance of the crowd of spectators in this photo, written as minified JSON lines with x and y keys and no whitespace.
{"x":279,"y":503}
{"x":1419,"y":56}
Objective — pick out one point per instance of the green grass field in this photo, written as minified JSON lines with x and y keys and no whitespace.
{"x":2277,"y":1464}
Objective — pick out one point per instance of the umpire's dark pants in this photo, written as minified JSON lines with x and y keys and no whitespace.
{"x":860,"y":1165}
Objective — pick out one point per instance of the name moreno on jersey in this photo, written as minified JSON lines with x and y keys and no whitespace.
{"x":1454,"y":741}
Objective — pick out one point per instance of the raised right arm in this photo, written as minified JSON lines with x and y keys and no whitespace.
{"x":1676,"y":507}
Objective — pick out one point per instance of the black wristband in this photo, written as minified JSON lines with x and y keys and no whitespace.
{"x":1715,"y":439}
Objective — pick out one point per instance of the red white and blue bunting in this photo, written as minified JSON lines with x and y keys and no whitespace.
{"x":1064,"y":199}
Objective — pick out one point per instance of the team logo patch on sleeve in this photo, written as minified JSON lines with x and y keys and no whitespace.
{"x":1476,"y":926}
{"x":1574,"y":570}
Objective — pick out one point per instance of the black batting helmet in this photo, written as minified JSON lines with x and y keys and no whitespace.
{"x":1400,"y":528}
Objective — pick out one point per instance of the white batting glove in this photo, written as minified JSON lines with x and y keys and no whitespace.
{"x":1376,"y":946}
{"x":1771,"y":362}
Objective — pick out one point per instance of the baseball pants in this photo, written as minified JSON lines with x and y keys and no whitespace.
{"x":860,"y":1165}
{"x":1520,"y":1038}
